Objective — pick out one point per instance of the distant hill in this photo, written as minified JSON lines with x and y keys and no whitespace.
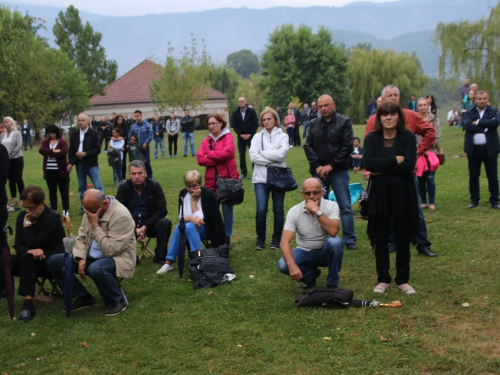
{"x":404,"y":26}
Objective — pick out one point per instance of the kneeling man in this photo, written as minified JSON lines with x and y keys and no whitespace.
{"x":103,"y":250}
{"x":316,"y":223}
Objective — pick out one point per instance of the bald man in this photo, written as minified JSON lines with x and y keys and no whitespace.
{"x":103,"y":250}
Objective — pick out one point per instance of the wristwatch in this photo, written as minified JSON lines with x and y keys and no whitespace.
{"x":319,"y":213}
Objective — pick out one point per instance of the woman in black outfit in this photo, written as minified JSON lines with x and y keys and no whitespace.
{"x":432,"y":104}
{"x":55,"y":167}
{"x":390,"y":154}
{"x":39,"y":235}
{"x":121,"y":124}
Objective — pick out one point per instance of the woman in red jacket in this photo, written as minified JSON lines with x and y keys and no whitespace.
{"x":218,"y":154}
{"x":55,"y":167}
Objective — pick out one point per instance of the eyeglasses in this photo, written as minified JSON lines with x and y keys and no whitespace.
{"x":313,"y":192}
{"x":31,"y":208}
{"x":212,"y":123}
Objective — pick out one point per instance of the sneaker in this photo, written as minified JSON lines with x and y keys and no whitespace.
{"x":65,"y":213}
{"x":259,"y":245}
{"x":164,"y":269}
{"x":117,"y":309}
{"x":275,"y":245}
{"x":80,"y":304}
{"x":351,"y":246}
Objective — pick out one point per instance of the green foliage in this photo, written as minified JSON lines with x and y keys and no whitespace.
{"x":299,"y":63}
{"x":82,"y":45}
{"x":250,"y":89}
{"x":225,"y":80}
{"x":182,"y":82}
{"x":472,"y":49}
{"x":245,"y":62}
{"x":370,"y":70}
{"x":38,"y":82}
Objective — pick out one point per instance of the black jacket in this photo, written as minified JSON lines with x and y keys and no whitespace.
{"x":161,"y":129}
{"x":340,"y":138}
{"x":247,"y":126}
{"x":91,"y":145}
{"x":187,"y":124}
{"x":487,"y":125}
{"x":47,"y":234}
{"x":213,"y":220}
{"x":155,"y":200}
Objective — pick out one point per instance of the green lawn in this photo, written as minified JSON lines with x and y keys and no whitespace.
{"x":252,"y":327}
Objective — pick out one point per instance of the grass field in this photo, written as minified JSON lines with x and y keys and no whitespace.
{"x":251,"y":325}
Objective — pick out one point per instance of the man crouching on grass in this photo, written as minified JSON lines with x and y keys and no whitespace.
{"x":316,"y":222}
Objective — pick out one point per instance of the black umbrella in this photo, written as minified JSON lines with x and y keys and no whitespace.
{"x":7,"y":261}
{"x":181,"y":255}
{"x":68,"y":273}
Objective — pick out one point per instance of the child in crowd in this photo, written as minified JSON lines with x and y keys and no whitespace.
{"x":135,"y":152}
{"x":357,"y":155}
{"x":115,"y":153}
{"x":290,"y":126}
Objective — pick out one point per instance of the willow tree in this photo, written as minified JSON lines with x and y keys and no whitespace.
{"x":370,"y":70}
{"x":472,"y":49}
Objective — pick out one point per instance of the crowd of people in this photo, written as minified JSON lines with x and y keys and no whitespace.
{"x":398,"y":159}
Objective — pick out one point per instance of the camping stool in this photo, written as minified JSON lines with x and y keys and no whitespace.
{"x":119,"y":283}
{"x":145,"y":249}
{"x":42,"y":293}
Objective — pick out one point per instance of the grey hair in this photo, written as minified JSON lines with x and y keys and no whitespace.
{"x":100,"y":196}
{"x":389,"y":87}
{"x":137,"y":164}
{"x":83,"y":114}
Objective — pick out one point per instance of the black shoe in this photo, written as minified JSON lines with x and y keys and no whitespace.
{"x":495,"y":206}
{"x":333,"y":287}
{"x":392,"y":247}
{"x":472,"y":205}
{"x":117,"y":309}
{"x":81,"y":213}
{"x":79,"y":303}
{"x":259,"y":245}
{"x":27,"y":314}
{"x":275,"y":245}
{"x":426,"y":250}
{"x":185,"y":156}
{"x":228,"y":243}
{"x":351,"y":246}
{"x":157,"y":261}
{"x":243,"y":175}
{"x":312,"y":284}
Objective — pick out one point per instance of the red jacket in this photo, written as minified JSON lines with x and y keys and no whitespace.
{"x":221,"y":154}
{"x":417,"y":125}
{"x":61,"y":157}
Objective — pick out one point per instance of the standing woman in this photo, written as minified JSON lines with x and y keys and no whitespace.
{"x":55,"y":167}
{"x":13,"y":142}
{"x":218,"y":154}
{"x":121,"y":124}
{"x":432,"y":104}
{"x":268,"y":147}
{"x":390,"y":153}
{"x":426,"y":183}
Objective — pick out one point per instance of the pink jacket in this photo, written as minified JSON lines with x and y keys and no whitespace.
{"x":426,"y":160}
{"x":221,"y":155}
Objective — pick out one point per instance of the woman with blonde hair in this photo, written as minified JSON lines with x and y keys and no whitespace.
{"x":12,"y":139}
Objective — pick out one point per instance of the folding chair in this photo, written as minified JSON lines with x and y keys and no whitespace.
{"x":46,"y":293}
{"x":145,"y":249}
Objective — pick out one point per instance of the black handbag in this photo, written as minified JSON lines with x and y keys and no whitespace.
{"x":228,"y":190}
{"x":363,"y":201}
{"x":279,"y":178}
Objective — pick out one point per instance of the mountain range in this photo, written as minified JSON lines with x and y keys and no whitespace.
{"x":404,"y":26}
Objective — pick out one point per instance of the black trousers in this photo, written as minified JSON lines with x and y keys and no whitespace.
{"x":161,"y":232}
{"x":16,"y":176}
{"x":172,"y":139}
{"x":53,"y":181}
{"x":242,"y":150}
{"x":478,"y":156}
{"x":296,"y":136}
{"x":28,"y":269}
{"x":383,"y":263}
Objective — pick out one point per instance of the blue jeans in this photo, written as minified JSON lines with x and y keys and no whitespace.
{"x":26,"y":140}
{"x":339,"y":182}
{"x":161,"y":142}
{"x":82,"y":173}
{"x":290,"y":135}
{"x":227,"y":215}
{"x":262,"y":198}
{"x":305,"y":124}
{"x":118,"y":171}
{"x":101,"y":271}
{"x":427,"y":184}
{"x":185,"y":137}
{"x":194,"y":236}
{"x":330,"y":255}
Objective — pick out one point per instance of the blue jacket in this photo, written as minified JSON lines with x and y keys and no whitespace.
{"x":143,"y":131}
{"x":487,"y":125}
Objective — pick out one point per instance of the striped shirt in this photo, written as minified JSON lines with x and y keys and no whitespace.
{"x":51,"y":162}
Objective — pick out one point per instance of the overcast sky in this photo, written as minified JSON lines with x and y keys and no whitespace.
{"x":134,"y":7}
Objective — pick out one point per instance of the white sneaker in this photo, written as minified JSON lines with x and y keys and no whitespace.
{"x":65,"y":213}
{"x":164,"y":269}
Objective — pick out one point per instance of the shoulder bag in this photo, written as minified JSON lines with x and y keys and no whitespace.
{"x":279,"y":178}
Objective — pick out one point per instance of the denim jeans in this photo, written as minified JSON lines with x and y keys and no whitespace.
{"x":118,"y":172}
{"x":161,"y":142}
{"x":339,"y":182}
{"x":290,"y":136}
{"x":194,"y":236}
{"x":185,"y":137}
{"x":427,"y":184}
{"x":330,"y":255}
{"x":305,"y":124}
{"x":26,"y":140}
{"x":101,"y":271}
{"x":227,"y":215}
{"x":82,"y":173}
{"x":262,"y":198}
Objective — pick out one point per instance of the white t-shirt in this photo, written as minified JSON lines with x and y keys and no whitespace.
{"x":187,"y":208}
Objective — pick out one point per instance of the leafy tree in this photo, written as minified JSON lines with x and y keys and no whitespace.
{"x":300,"y":63}
{"x":245,"y":62}
{"x":225,"y":80}
{"x":370,"y":70}
{"x":182,"y":82}
{"x":471,"y":48}
{"x":82,"y":44}
{"x":250,"y":89}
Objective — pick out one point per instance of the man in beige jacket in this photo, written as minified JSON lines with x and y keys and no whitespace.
{"x":103,"y":250}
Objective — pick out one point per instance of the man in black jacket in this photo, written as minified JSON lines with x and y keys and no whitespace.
{"x":328,"y":147}
{"x":158,"y":130}
{"x":245,"y":123}
{"x":146,"y":202}
{"x":187,"y":129}
{"x":84,"y":148}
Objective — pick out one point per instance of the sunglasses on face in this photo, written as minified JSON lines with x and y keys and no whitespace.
{"x":313,"y":192}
